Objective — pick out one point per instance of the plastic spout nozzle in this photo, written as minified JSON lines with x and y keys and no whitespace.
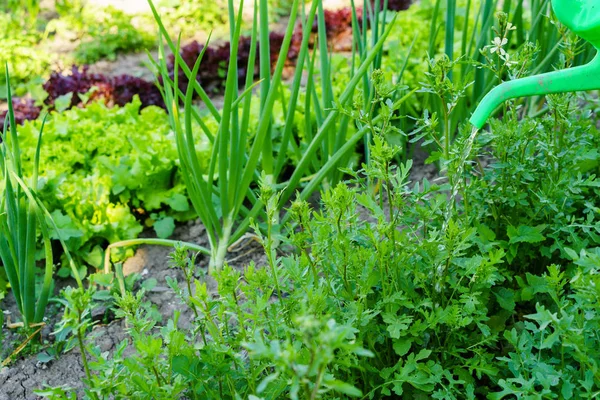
{"x":586,"y":77}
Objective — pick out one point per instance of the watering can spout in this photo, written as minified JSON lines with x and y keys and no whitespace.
{"x":583,"y":18}
{"x":586,"y":77}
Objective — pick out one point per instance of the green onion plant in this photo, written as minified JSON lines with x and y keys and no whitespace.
{"x":22,"y":218}
{"x":223,"y":193}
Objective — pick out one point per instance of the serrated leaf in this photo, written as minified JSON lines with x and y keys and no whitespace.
{"x":550,"y":340}
{"x":397,"y":388}
{"x":396,"y":324}
{"x":538,"y":284}
{"x":526,"y":234}
{"x":543,"y":317}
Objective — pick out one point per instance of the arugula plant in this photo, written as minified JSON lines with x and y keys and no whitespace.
{"x":76,"y":318}
{"x":538,"y":193}
{"x":328,"y":320}
{"x":375,"y":17}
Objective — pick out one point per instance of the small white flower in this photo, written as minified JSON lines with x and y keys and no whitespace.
{"x":507,"y":60}
{"x":497,"y":45}
{"x":499,"y":41}
{"x":510,"y":27}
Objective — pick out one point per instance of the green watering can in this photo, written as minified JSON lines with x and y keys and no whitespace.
{"x":583,"y":18}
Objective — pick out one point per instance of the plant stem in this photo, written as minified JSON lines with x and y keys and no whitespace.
{"x":156,"y":375}
{"x":446,"y":132}
{"x":315,"y":390}
{"x":84,"y":358}
{"x":217,"y":259}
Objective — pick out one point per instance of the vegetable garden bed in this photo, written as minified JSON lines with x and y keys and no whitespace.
{"x":262,"y":217}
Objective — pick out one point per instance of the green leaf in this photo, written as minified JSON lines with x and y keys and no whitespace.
{"x":567,"y":390}
{"x":64,"y":272}
{"x":344,"y":388}
{"x":101,"y":279}
{"x":182,"y":365}
{"x":44,"y":357}
{"x":3,"y":286}
{"x":398,"y":387}
{"x":506,"y":299}
{"x":95,"y":257}
{"x":149,"y":284}
{"x":103,"y":295}
{"x":396,"y":324}
{"x":66,"y":227}
{"x":537,"y":284}
{"x":550,"y":340}
{"x":526,"y":234}
{"x":543,"y":317}
{"x":423,"y":354}
{"x":486,"y":233}
{"x":63,"y":102}
{"x":178,"y":202}
{"x":265,"y":382}
{"x":363,"y":352}
{"x":164,"y":227}
{"x":572,"y":254}
{"x":402,"y":346}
